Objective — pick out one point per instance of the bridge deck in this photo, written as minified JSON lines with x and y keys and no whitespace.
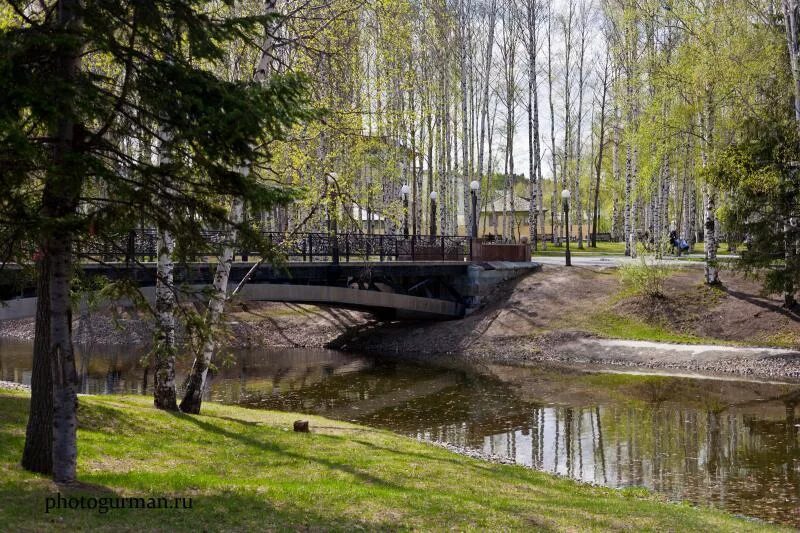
{"x":408,"y":289}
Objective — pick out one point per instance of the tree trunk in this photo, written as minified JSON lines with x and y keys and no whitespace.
{"x":533,"y":127}
{"x":164,"y":394}
{"x":579,"y":121}
{"x":710,"y":235}
{"x":485,"y":101}
{"x":709,"y":199}
{"x":196,"y":383}
{"x":465,"y":164}
{"x":615,"y":171}
{"x":567,"y":155}
{"x":509,"y":60}
{"x":629,"y":207}
{"x":38,"y":453}
{"x":690,"y":198}
{"x":62,"y":356}
{"x":601,"y":145}
{"x":553,"y":199}
{"x":60,"y":202}
{"x":791,"y":12}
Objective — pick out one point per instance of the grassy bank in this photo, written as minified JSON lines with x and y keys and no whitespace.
{"x":246,"y":470}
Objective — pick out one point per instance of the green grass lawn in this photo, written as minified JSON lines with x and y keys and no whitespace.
{"x":603,"y":248}
{"x":614,"y":326}
{"x":246,"y":470}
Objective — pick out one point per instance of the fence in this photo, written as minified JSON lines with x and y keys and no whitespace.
{"x":308,"y":247}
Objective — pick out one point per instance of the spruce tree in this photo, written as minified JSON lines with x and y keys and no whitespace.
{"x":88,"y":89}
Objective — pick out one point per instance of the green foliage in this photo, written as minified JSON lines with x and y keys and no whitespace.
{"x":137,"y":90}
{"x":698,"y":74}
{"x":646,"y":277}
{"x":761,"y":171}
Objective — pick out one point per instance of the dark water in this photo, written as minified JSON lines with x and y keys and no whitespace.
{"x":729,"y":444}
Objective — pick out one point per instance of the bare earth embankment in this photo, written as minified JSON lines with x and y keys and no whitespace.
{"x":574,"y":315}
{"x":577,"y":315}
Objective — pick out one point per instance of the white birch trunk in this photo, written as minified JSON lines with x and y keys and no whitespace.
{"x":615,"y":173}
{"x":164,"y":393}
{"x":554,"y":226}
{"x":709,"y":201}
{"x":630,"y":239}
{"x":579,"y":120}
{"x":197,"y":379}
{"x":465,"y":164}
{"x":567,"y":156}
{"x":533,"y":127}
{"x":196,"y":383}
{"x":485,"y":101}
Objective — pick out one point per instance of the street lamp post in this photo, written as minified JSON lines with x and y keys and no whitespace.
{"x":404,"y":194}
{"x":473,"y":189}
{"x":433,"y":213}
{"x":565,"y":200}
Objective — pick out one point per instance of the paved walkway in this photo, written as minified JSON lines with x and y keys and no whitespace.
{"x":611,"y":260}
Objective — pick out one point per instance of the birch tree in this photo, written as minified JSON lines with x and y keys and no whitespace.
{"x":604,"y":85}
{"x":197,"y":379}
{"x":534,"y":152}
{"x":583,"y":15}
{"x":553,"y":150}
{"x":487,"y":70}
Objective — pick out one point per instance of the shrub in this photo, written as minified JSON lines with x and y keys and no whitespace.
{"x":645,"y":277}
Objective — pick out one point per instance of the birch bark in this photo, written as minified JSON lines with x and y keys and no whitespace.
{"x":164,"y":350}
{"x":197,"y":380}
{"x":554,"y":226}
{"x":164,"y":394}
{"x":709,"y":198}
{"x":567,"y":156}
{"x":465,"y":165}
{"x":579,"y":122}
{"x":485,"y":102}
{"x":601,"y":146}
{"x":534,"y":159}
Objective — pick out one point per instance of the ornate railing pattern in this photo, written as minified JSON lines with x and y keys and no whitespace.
{"x":143,"y":245}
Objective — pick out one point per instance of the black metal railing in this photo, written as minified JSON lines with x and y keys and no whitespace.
{"x":143,"y":245}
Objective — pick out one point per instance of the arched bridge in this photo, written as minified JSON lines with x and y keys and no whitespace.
{"x":417,"y":277}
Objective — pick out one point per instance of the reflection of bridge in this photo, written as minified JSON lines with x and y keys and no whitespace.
{"x":394,"y":276}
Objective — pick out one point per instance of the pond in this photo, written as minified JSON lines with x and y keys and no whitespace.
{"x":730,"y":444}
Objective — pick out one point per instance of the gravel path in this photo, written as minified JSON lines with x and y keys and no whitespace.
{"x":756,"y":361}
